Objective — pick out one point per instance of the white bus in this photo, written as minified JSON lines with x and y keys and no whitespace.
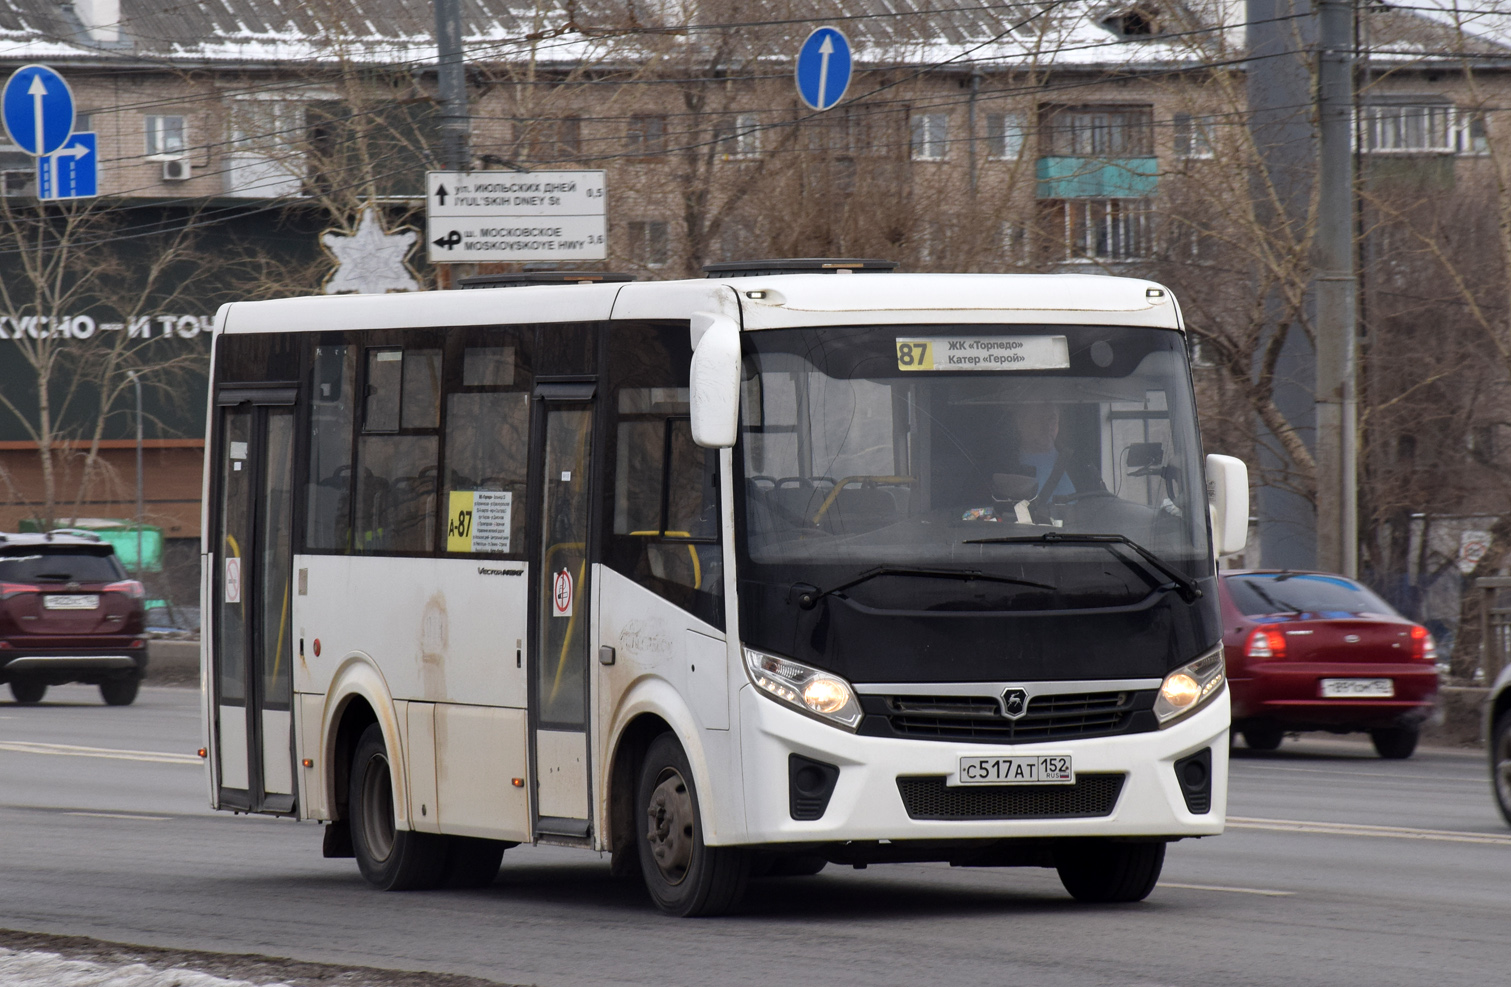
{"x":734,"y":576}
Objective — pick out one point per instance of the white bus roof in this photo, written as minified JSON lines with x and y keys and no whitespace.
{"x":777,"y":301}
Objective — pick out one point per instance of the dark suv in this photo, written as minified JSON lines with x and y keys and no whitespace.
{"x":69,"y":613}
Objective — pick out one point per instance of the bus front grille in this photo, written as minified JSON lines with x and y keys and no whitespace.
{"x":1092,"y":795}
{"x":979,"y":719}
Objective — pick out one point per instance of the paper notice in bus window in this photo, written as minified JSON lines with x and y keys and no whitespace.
{"x":983,"y":353}
{"x":479,"y":520}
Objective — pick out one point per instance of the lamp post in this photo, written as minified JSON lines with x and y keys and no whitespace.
{"x":137,"y":381}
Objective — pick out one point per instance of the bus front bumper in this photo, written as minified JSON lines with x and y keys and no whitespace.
{"x":868,"y":803}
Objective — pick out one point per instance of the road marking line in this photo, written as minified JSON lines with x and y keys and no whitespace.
{"x":1365,"y":829}
{"x":1218,"y":887}
{"x":69,"y":750}
{"x":120,"y":815}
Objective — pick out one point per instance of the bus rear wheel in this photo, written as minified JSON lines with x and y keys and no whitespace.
{"x":684,"y":875}
{"x":391,"y":859}
{"x":1101,"y":871}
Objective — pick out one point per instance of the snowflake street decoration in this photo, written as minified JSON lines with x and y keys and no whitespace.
{"x":370,"y":262}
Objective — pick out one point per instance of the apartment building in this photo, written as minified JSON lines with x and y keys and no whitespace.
{"x":1021,"y":136}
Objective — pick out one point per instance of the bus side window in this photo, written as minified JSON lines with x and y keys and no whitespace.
{"x":487,"y":453}
{"x":332,"y":406}
{"x":664,"y":507}
{"x":398,"y":452}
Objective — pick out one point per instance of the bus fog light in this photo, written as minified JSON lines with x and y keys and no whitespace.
{"x":810,"y":690}
{"x":1189,"y":687}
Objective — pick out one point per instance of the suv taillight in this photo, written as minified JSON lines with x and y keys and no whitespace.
{"x":1423,"y":647}
{"x":130,"y":587}
{"x":1266,"y":642}
{"x":8,"y":590}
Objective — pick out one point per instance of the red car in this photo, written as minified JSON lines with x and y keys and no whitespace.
{"x":1316,"y":651}
{"x":68,"y":613}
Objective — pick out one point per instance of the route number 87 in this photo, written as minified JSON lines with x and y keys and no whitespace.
{"x":914,"y":354}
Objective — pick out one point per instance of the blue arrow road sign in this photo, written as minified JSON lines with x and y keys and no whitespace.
{"x":823,"y":68}
{"x":38,"y":109}
{"x":72,"y":171}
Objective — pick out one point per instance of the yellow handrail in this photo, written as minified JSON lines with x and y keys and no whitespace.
{"x":697,"y":568}
{"x":829,"y":500}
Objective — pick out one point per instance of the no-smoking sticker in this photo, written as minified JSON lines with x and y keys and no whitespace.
{"x":233,"y":579}
{"x":561,"y":594}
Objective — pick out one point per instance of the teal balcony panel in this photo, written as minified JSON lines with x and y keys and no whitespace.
{"x":1097,"y":178}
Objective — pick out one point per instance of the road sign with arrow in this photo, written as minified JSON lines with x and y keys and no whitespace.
{"x":492,"y":216}
{"x":38,"y":110}
{"x":823,"y":68}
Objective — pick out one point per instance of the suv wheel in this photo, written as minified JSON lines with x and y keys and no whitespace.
{"x":1394,"y":743}
{"x":28,"y":692}
{"x":120,"y":692}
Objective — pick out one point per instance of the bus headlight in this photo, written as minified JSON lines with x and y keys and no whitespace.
{"x":1188,"y":688}
{"x":814,"y":691}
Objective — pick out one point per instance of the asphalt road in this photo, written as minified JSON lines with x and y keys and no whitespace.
{"x":1338,"y":869}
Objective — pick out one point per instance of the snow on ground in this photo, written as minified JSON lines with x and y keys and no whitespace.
{"x":33,"y":968}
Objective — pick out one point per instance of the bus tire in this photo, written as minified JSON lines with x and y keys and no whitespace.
{"x":27,"y":692}
{"x":684,"y":876}
{"x":391,"y":859}
{"x":120,"y":692}
{"x":472,"y":862}
{"x":1100,"y":871}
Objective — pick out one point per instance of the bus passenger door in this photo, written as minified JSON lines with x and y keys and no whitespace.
{"x":561,"y":625}
{"x":251,"y":647}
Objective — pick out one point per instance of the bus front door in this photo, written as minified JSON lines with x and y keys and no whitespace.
{"x":252,"y":652}
{"x":560,"y":606}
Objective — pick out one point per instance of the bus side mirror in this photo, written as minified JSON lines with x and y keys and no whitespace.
{"x":715,"y":380}
{"x":1228,"y":494}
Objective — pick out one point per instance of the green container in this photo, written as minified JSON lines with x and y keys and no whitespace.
{"x":120,"y":535}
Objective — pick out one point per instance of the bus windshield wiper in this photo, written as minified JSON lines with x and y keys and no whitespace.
{"x":808,"y":596}
{"x":1185,"y":585}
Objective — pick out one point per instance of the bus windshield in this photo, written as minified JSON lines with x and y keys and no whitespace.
{"x":963,"y":446}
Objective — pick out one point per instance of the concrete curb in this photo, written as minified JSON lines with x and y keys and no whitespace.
{"x":173,"y":663}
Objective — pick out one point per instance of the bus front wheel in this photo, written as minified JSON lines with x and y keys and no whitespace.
{"x":1102,"y":871}
{"x":391,"y":859}
{"x":684,"y":875}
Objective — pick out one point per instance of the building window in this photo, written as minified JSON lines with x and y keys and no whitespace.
{"x":649,"y":244}
{"x":1407,"y":128}
{"x":1099,"y":131}
{"x":1473,"y":134}
{"x":739,"y":136}
{"x":1013,"y":241}
{"x":18,"y":171}
{"x":930,"y":136}
{"x":557,"y":139}
{"x":1104,"y":229}
{"x":646,"y":136}
{"x":262,"y":161}
{"x":1004,"y":136}
{"x":165,"y":137}
{"x":1193,"y":136}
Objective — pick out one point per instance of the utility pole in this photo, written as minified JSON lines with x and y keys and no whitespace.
{"x":1336,"y":292}
{"x":452,"y":86}
{"x":137,"y":380}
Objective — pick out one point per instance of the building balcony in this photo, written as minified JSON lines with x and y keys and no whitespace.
{"x":1097,"y":178}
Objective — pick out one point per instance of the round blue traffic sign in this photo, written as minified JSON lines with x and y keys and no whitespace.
{"x":38,"y":109}
{"x":823,"y":68}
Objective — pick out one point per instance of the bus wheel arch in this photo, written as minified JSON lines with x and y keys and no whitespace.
{"x":359,"y":698}
{"x":624,"y":776}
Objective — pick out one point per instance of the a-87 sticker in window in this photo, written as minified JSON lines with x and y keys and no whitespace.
{"x":479,"y":520}
{"x":983,"y":353}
